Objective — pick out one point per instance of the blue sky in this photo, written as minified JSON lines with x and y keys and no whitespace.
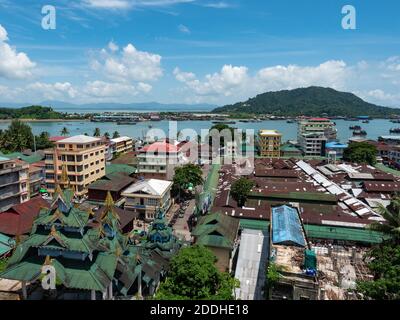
{"x":191,"y":51}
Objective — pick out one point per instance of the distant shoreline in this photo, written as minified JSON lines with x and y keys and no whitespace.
{"x":44,"y":120}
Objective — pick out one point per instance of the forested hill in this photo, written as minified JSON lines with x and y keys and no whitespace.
{"x":312,"y":101}
{"x":32,"y":112}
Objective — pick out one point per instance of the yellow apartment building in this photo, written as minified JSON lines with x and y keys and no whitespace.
{"x":82,"y":156}
{"x":269,"y":143}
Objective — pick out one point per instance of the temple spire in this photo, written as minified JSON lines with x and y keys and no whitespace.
{"x":109,"y":202}
{"x":64,"y":177}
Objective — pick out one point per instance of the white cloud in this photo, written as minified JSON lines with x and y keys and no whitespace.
{"x":128,"y":4}
{"x":182,"y":28}
{"x":218,"y":5}
{"x":3,"y":34}
{"x":330,"y":74}
{"x":48,"y":91}
{"x":129,"y":65}
{"x":113,"y":47}
{"x":236,"y":82}
{"x":101,"y":89}
{"x":226,"y":82}
{"x":13,"y":64}
{"x":108,"y":4}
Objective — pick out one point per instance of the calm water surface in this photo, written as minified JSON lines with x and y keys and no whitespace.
{"x":374,"y":129}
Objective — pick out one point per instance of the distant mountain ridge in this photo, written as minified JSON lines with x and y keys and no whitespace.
{"x":100,"y":107}
{"x":311,"y":101}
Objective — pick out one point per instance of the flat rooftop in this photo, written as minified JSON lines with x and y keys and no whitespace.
{"x":79,"y":139}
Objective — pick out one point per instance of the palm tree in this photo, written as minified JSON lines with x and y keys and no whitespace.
{"x":391,"y":214}
{"x":96,"y":132}
{"x":64,"y":131}
{"x":116,"y":135}
{"x":106,"y":135}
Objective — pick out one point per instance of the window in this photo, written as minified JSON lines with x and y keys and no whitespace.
{"x":97,"y":153}
{"x":49,"y":167}
{"x":61,"y":145}
{"x":78,"y":158}
{"x":79,"y":146}
{"x":97,"y":162}
{"x":86,"y":156}
{"x":70,"y":158}
{"x":71,"y":168}
{"x":86,"y":166}
{"x":49,"y":157}
{"x":49,"y":176}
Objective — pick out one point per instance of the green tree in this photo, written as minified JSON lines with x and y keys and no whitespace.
{"x":391,"y":214}
{"x":240,"y":190}
{"x":189,"y":174}
{"x":96,"y":132}
{"x":360,"y":152}
{"x":384,"y":259}
{"x":106,"y":135}
{"x":64,"y":131}
{"x":43,"y":142}
{"x":17,"y":137}
{"x":116,"y":135}
{"x":385,"y":266}
{"x":194,"y":276}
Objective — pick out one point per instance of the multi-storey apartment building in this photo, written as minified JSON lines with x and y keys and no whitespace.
{"x":145,"y":197}
{"x":14,"y":183}
{"x":313,"y":134}
{"x":121,"y":145}
{"x":82,"y":157}
{"x":269,"y":143}
{"x":159,"y":160}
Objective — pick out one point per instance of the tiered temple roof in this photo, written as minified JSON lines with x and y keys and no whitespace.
{"x":89,"y":253}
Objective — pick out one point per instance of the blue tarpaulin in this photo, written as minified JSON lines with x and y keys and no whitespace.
{"x":286,"y":226}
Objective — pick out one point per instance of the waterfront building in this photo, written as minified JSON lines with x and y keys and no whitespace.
{"x":313,"y":134}
{"x":83,"y":159}
{"x":121,"y":145}
{"x":14,"y":183}
{"x":147,"y":196}
{"x":159,"y":159}
{"x":392,"y":140}
{"x":269,"y":143}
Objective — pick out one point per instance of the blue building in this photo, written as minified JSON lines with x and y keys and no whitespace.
{"x":337,"y":147}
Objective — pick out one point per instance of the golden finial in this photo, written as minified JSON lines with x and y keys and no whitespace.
{"x":118,"y":252}
{"x":58,"y":189}
{"x":64,"y":176}
{"x":47,"y":261}
{"x":53,"y":230}
{"x":109,"y":202}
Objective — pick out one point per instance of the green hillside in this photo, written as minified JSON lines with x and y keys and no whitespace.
{"x":312,"y":101}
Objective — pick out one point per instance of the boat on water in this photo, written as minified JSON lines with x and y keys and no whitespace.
{"x":395,"y":121}
{"x":126,"y":122}
{"x":355,"y":128}
{"x":290,"y":121}
{"x":359,"y":133}
{"x":365,"y":121}
{"x":224,"y":122}
{"x":395,"y":130}
{"x":245,"y":121}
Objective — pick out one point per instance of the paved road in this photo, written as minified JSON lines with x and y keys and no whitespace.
{"x":181,"y":226}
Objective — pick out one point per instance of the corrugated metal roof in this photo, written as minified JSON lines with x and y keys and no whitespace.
{"x":344,"y":234}
{"x":286,"y":226}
